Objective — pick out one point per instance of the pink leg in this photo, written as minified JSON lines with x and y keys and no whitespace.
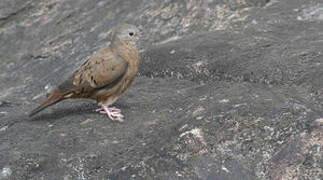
{"x":112,"y":109}
{"x":113,"y":113}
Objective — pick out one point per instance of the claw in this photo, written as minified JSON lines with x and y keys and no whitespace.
{"x":113,"y":113}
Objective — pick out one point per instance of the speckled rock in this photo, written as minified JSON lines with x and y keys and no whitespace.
{"x":227,"y":90}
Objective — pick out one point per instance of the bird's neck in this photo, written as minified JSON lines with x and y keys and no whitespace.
{"x":118,"y":45}
{"x":127,"y":51}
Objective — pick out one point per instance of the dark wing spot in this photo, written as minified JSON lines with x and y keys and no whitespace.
{"x":95,"y":82}
{"x":81,"y":78}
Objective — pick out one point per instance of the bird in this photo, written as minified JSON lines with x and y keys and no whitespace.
{"x":105,"y":76}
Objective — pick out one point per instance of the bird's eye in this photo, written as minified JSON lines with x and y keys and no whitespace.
{"x":131,"y":34}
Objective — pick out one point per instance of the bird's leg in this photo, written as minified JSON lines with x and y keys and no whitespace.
{"x":113,"y":113}
{"x":112,"y":109}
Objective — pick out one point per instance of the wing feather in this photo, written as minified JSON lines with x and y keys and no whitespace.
{"x":100,"y":71}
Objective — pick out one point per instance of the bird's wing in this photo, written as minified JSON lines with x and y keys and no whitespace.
{"x":102,"y":70}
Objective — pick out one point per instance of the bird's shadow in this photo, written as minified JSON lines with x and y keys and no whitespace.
{"x":74,"y":110}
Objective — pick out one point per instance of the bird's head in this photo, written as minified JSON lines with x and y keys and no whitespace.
{"x":126,"y":33}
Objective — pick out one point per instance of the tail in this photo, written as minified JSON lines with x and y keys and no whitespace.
{"x":53,"y":99}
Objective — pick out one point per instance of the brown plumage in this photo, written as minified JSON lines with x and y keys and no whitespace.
{"x":103,"y":77}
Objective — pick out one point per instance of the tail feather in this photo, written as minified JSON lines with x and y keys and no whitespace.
{"x":53,"y":99}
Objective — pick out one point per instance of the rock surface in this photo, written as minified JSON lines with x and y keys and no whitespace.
{"x":227,"y":90}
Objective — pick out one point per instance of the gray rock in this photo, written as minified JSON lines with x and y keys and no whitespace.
{"x":6,"y":173}
{"x":227,"y":90}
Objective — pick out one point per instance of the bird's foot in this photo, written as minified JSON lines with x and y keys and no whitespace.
{"x":113,"y":113}
{"x":103,"y":109}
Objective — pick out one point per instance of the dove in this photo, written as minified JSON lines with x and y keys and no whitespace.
{"x":105,"y":76}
